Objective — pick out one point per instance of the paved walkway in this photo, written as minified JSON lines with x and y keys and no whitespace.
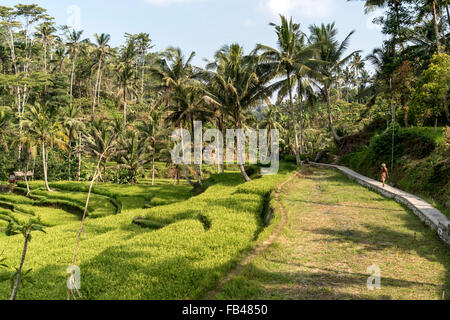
{"x":425,"y":211}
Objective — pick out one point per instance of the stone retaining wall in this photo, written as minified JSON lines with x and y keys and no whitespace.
{"x":432,"y":217}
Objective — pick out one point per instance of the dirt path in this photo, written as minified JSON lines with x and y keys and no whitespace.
{"x":334,"y":230}
{"x":258,"y":249}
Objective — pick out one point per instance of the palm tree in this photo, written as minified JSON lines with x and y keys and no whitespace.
{"x":74,"y":46}
{"x":45,"y":32}
{"x":133,"y":153}
{"x":186,"y":105}
{"x":100,"y":141}
{"x":433,"y":7}
{"x":152,"y":133}
{"x":72,"y":122}
{"x":331,"y":51}
{"x":357,"y":64}
{"x":176,"y":77}
{"x":143,"y":44}
{"x":125,"y":73}
{"x":272,"y":118}
{"x":284,"y":61}
{"x":59,"y":59}
{"x":174,"y":71}
{"x":348,"y":78}
{"x":305,"y":66}
{"x":41,"y":123}
{"x":102,"y":52}
{"x":238,"y":83}
{"x":30,"y":146}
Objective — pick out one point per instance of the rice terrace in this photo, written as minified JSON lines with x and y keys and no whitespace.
{"x":305,"y":160}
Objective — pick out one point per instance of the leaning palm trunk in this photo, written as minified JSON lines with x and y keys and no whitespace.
{"x":72,"y":75}
{"x":297,"y":153}
{"x":186,"y":175}
{"x":44,"y":165}
{"x":436,"y":27}
{"x":330,"y":116}
{"x":241,"y":165}
{"x":302,"y":148}
{"x":79,"y":157}
{"x":19,"y":271}
{"x":26,"y":178}
{"x":153,"y":170}
{"x":184,"y":165}
{"x":244,"y":173}
{"x":198,"y":173}
{"x":96,"y":85}
{"x":125,"y":106}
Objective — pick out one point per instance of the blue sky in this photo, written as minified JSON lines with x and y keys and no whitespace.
{"x":204,"y":26}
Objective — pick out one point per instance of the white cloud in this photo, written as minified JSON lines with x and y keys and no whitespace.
{"x":305,"y":8}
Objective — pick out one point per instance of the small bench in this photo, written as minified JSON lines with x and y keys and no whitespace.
{"x":20,"y":176}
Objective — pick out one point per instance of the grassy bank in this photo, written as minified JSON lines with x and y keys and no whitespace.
{"x":337,"y":229}
{"x":421,"y":162}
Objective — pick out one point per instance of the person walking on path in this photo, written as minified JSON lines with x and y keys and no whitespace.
{"x":384,"y":173}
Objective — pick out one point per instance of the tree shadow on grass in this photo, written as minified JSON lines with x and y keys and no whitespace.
{"x":318,"y":284}
{"x":379,"y":238}
{"x":344,"y":205}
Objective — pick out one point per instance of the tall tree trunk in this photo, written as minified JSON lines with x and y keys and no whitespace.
{"x":104,"y":170}
{"x":436,"y":27}
{"x":44,"y":165}
{"x":153,"y":170}
{"x":96,"y":85}
{"x":99,"y":90}
{"x":300,"y":100}
{"x":242,"y":166}
{"x":79,"y":157}
{"x":26,"y":177}
{"x":294,"y":122}
{"x":394,"y":120}
{"x":330,"y":116}
{"x":19,"y":271}
{"x":70,"y":165}
{"x":184,"y":165}
{"x":72,"y":75}
{"x":142,"y":80}
{"x":45,"y":58}
{"x":125,"y":106}
{"x":196,"y":167}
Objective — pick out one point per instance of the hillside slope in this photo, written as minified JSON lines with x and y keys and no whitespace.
{"x":421,"y":162}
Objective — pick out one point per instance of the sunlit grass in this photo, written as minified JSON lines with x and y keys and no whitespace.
{"x":337,"y":229}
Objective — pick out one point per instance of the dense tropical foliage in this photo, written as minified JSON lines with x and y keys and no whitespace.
{"x":76,"y":110}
